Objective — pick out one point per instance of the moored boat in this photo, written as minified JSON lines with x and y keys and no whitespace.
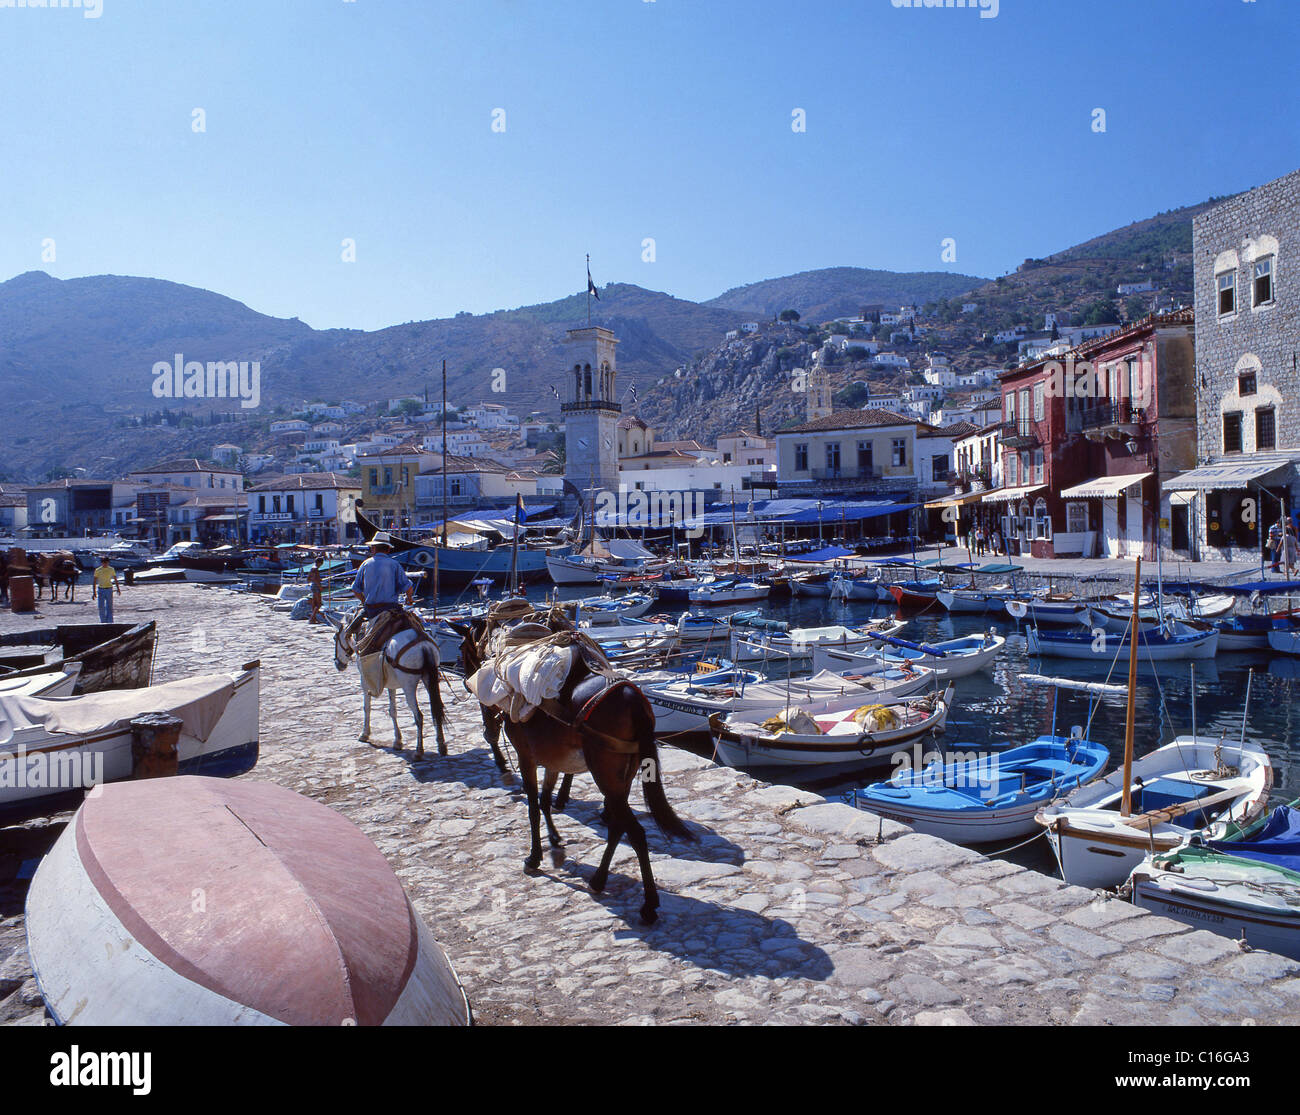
{"x":836,"y":734}
{"x":1246,"y":888}
{"x":1181,"y":642}
{"x":684,"y":705}
{"x":800,"y":642}
{"x":110,"y":655}
{"x":55,"y":748}
{"x":949,"y":659}
{"x":1192,"y":784}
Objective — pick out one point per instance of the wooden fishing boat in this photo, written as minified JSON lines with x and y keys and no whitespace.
{"x":846,"y":587}
{"x":982,"y":798}
{"x":1062,"y":610}
{"x":986,"y":799}
{"x":979,"y":601}
{"x":812,"y":583}
{"x":800,"y":642}
{"x":1285,"y":640}
{"x":110,"y":655}
{"x":1183,"y":642}
{"x":916,"y":595}
{"x":695,"y":627}
{"x":684,"y":705}
{"x":290,"y":916}
{"x":950,"y":659}
{"x":835,"y":734}
{"x":52,"y":749}
{"x":610,"y":609}
{"x":1246,"y":888}
{"x":1113,"y":616}
{"x":738,"y":592}
{"x":1192,"y":784}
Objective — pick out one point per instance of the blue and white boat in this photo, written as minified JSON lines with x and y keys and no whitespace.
{"x":1178,"y":641}
{"x":952,"y":658}
{"x":730,"y":592}
{"x":985,"y":798}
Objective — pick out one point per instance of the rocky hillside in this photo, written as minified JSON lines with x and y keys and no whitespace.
{"x":842,"y":291}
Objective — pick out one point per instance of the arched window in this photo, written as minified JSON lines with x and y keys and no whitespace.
{"x":586,"y":373}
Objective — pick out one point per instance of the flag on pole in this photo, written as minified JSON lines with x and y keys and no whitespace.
{"x":633,"y":389}
{"x":591,"y":287}
{"x":555,"y":390}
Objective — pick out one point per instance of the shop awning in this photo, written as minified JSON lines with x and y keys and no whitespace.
{"x":1104,"y":487}
{"x":1181,"y":499}
{"x":1228,"y":474}
{"x":1011,"y":495}
{"x":955,"y":501}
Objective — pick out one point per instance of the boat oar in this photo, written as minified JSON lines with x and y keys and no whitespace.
{"x":1169,"y":812}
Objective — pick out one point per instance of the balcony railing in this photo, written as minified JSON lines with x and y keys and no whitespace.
{"x":1019,"y":435}
{"x":853,"y":472}
{"x":1110,"y":415}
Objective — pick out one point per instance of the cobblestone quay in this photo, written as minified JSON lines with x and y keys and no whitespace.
{"x":789,"y":909}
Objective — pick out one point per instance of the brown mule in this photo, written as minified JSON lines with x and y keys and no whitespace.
{"x":604,"y":726}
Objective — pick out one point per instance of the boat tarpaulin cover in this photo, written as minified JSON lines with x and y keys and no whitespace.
{"x":199,"y":702}
{"x":827,"y":553}
{"x":1278,"y":842}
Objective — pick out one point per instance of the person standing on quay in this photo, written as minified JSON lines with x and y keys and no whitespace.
{"x":314,"y":579}
{"x":103,"y":584}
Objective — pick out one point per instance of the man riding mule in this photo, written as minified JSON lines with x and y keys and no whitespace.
{"x":567,"y":711}
{"x":394,"y":651}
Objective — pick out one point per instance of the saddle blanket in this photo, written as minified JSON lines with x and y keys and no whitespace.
{"x":519,"y":680}
{"x":378,"y":675}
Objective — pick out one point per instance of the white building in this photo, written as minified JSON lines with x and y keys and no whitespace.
{"x":1135,"y":288}
{"x":290,"y":426}
{"x":890,"y":360}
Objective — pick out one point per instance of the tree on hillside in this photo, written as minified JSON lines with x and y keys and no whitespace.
{"x":788,"y":315}
{"x":1102,"y":312}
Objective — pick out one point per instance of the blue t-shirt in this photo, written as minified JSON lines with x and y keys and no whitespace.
{"x":381,"y":580}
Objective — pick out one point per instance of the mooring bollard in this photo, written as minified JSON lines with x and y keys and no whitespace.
{"x":154,"y":740}
{"x":22,"y":593}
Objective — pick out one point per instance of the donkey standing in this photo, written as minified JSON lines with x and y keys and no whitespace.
{"x":409,"y":658}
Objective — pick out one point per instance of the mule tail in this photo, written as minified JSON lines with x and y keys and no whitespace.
{"x":432,"y":681}
{"x":652,"y":788}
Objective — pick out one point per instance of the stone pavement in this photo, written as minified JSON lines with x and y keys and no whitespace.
{"x":789,"y":909}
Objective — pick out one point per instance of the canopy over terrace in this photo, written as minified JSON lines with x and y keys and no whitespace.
{"x":1228,"y":474}
{"x":1105,"y":487}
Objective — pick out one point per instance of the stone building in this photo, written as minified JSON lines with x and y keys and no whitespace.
{"x":1247,"y":302}
{"x":591,"y":411}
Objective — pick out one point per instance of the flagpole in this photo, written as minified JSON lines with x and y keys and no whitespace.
{"x":588,"y":289}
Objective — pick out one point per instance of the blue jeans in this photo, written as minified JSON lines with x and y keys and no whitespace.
{"x":105,"y":597}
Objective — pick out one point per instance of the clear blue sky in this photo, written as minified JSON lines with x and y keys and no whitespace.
{"x":625,"y":119}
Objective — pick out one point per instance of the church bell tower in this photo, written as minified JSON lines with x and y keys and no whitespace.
{"x":591,"y":411}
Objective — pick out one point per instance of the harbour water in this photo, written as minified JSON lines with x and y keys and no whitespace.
{"x":994,"y":708}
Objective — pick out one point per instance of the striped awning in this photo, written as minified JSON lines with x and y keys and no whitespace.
{"x":1229,"y":474}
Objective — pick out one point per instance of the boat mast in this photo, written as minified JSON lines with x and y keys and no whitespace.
{"x":735,"y":544}
{"x":444,"y":453}
{"x":1126,"y":808}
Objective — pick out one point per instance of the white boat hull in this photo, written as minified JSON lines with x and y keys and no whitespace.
{"x":68,"y":764}
{"x":1093,"y":845}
